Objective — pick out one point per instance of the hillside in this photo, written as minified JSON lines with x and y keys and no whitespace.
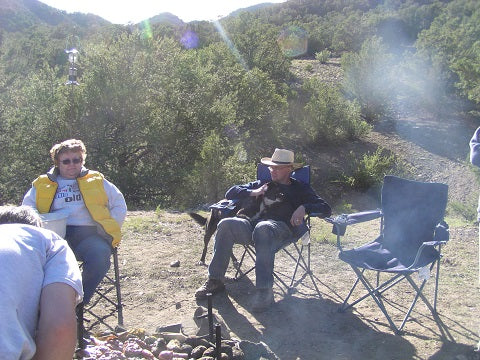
{"x":18,"y":15}
{"x":433,"y":145}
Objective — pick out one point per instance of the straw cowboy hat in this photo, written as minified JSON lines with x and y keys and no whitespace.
{"x":281,"y":157}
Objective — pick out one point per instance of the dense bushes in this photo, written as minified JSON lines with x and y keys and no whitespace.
{"x":151,"y":113}
{"x":329,"y":117}
{"x":368,"y":78}
{"x":451,"y":45}
{"x":172,"y":124}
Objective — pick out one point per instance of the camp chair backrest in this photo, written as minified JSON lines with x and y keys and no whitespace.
{"x":302,"y":174}
{"x":411,"y":210}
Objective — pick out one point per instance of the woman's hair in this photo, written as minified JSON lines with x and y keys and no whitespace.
{"x":19,"y":215}
{"x":70,"y":145}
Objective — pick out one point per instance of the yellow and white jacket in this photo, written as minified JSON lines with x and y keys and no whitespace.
{"x":90,"y":200}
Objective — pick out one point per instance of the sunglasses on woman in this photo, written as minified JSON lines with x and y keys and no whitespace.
{"x":74,"y":160}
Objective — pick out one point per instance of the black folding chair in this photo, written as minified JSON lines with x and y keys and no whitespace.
{"x":412,"y":232}
{"x":300,"y":254}
{"x":105,"y":303}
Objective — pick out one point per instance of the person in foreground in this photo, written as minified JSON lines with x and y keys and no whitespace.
{"x":96,"y":209}
{"x":475,"y":160}
{"x":268,"y":236}
{"x":40,"y":288}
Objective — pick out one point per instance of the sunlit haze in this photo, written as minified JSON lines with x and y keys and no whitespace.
{"x":123,"y":12}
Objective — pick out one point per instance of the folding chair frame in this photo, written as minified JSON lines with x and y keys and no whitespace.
{"x":110,"y":283}
{"x":377,"y":291}
{"x":300,"y":262}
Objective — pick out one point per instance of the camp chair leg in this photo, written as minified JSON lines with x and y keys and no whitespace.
{"x":117,"y":288}
{"x":103,"y":293}
{"x":239,"y":266}
{"x":297,"y":262}
{"x":289,"y":289}
{"x":303,"y":263}
{"x":418,"y":294}
{"x":80,"y":327}
{"x":436,"y":280}
{"x":345,"y":304}
{"x":239,"y":274}
{"x":376,"y":294}
{"x":376,"y":297}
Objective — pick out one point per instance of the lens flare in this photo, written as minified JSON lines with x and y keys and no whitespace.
{"x":230,"y":45}
{"x":189,"y":40}
{"x":146,"y":29}
{"x":293,"y":41}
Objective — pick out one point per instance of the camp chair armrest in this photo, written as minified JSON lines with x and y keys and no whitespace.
{"x":354,"y":218}
{"x":317,"y":214}
{"x":341,"y":222}
{"x":434,"y":243}
{"x":423,"y":246}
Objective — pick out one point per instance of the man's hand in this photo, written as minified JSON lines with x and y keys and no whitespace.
{"x":297,"y":216}
{"x":260,"y":191}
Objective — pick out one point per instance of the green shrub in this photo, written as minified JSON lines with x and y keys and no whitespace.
{"x":323,"y":56}
{"x":465,"y":211}
{"x":220,"y":166}
{"x":329,"y":117}
{"x":309,"y":68}
{"x":368,"y":78}
{"x":370,"y":169}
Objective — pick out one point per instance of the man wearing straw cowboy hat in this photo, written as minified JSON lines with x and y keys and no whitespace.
{"x":268,"y":236}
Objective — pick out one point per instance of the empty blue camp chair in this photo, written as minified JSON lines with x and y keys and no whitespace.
{"x":412,"y":232}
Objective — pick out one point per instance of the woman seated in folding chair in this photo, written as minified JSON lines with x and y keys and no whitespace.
{"x":96,"y":209}
{"x":267,"y":235}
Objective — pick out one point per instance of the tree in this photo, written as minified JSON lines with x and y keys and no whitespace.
{"x":368,"y":78}
{"x":451,"y":46}
{"x":328,"y":116}
{"x":35,"y":118}
{"x":257,"y":46}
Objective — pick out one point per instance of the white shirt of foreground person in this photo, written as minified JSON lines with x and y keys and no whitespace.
{"x":32,"y":259}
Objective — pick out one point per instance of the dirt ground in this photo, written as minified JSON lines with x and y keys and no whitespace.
{"x":305,"y":324}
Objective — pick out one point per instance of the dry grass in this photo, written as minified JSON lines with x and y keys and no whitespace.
{"x":302,"y":325}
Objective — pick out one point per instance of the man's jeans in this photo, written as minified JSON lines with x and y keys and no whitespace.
{"x":95,"y":253}
{"x":268,"y":237}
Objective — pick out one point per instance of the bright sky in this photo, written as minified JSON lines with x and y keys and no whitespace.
{"x":124,"y":11}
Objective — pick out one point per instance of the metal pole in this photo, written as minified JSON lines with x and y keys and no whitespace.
{"x":210,"y":317}
{"x":80,"y":328}
{"x":218,"y":341}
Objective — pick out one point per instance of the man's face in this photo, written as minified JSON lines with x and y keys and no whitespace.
{"x":281,"y":173}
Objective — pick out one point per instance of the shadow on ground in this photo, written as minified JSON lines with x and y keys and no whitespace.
{"x":315,"y":324}
{"x":446,"y":134}
{"x":310,"y":327}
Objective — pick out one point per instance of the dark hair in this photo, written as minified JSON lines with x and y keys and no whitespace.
{"x":19,"y":215}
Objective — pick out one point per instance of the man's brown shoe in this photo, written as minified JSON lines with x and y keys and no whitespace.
{"x":211,"y":286}
{"x":263,"y":299}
